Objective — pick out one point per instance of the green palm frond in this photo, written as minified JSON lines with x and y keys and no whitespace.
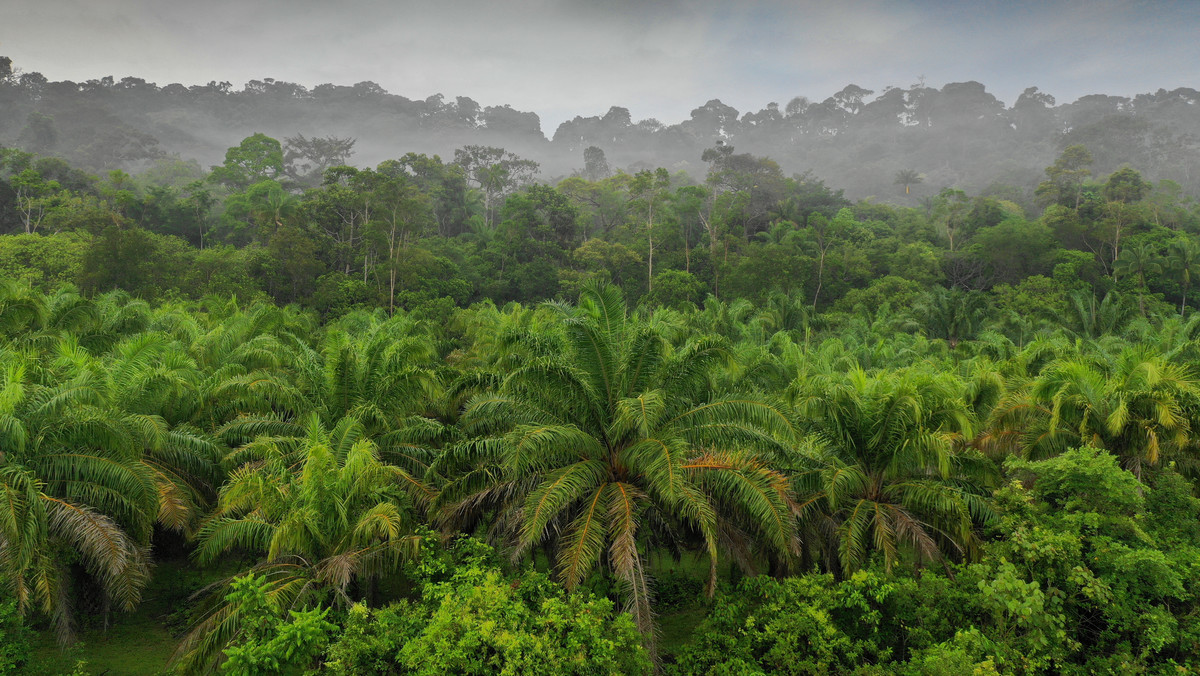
{"x":116,"y":486}
{"x":560,"y":490}
{"x":852,"y":535}
{"x":609,"y":428}
{"x":487,"y":413}
{"x":627,"y":562}
{"x":536,"y":448}
{"x":117,"y":561}
{"x":639,"y":415}
{"x":763,"y":413}
{"x":747,"y":486}
{"x":223,"y":534}
{"x":644,"y":359}
{"x":583,"y":542}
{"x":247,"y":428}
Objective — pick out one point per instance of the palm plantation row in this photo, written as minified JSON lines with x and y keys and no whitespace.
{"x":582,"y":437}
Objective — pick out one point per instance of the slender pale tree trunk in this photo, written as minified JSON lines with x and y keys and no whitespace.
{"x":650,"y":258}
{"x":820,"y":278}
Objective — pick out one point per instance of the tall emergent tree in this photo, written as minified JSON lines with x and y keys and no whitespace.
{"x":496,"y":172}
{"x":908,"y":177}
{"x":306,"y":159}
{"x":1064,"y":178}
{"x":649,"y":190}
{"x":257,"y":158}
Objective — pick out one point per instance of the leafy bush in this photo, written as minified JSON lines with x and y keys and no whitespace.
{"x":676,"y":590}
{"x":801,"y":625}
{"x":472,"y":619}
{"x":266,"y":644}
{"x":14,"y":640}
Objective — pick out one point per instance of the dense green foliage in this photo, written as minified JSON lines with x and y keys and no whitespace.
{"x":472,"y":619}
{"x":614,"y":432}
{"x":1088,"y":572}
{"x":958,"y":438}
{"x":14,"y":640}
{"x":420,"y":233}
{"x":267,"y":644}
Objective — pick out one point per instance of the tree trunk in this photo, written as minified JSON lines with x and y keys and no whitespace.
{"x":650,"y":238}
{"x":372,"y":591}
{"x":392,"y":270}
{"x":1142,"y":293}
{"x":820,"y":279}
{"x":650,"y":267}
{"x":711,"y":588}
{"x":776,"y":567}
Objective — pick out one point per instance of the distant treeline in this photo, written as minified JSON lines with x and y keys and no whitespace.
{"x":959,"y":135}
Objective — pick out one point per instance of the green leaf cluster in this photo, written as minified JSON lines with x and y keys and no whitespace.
{"x":472,"y":619}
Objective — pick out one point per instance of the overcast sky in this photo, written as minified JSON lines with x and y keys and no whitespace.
{"x":659,"y":58}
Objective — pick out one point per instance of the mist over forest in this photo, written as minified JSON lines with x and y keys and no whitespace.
{"x":958,"y":135}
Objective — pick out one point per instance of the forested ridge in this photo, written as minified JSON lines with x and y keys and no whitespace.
{"x":957,"y":134}
{"x":445,"y":416}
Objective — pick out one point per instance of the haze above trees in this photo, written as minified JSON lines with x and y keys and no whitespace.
{"x":957,"y":135}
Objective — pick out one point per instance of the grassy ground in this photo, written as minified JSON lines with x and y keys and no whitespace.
{"x":687,"y":610}
{"x":136,"y":644}
{"x":675,"y":628}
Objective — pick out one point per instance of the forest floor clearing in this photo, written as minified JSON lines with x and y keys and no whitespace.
{"x":135,"y":644}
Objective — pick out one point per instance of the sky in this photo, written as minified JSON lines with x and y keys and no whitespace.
{"x":658,"y":58}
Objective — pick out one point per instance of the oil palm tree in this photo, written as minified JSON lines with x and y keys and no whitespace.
{"x":1139,"y":261}
{"x":376,"y":370}
{"x":98,"y":448}
{"x":72,"y":479}
{"x":1139,"y":406}
{"x":781,"y":312}
{"x":22,"y":309}
{"x":1184,"y":260}
{"x":612,"y":444}
{"x":1092,"y":317}
{"x":119,"y":315}
{"x":369,"y":367}
{"x":728,"y":320}
{"x":886,"y":471}
{"x":146,"y":387}
{"x":253,"y":337}
{"x":908,"y":177}
{"x":39,"y":531}
{"x":952,"y":315}
{"x":325,"y":515}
